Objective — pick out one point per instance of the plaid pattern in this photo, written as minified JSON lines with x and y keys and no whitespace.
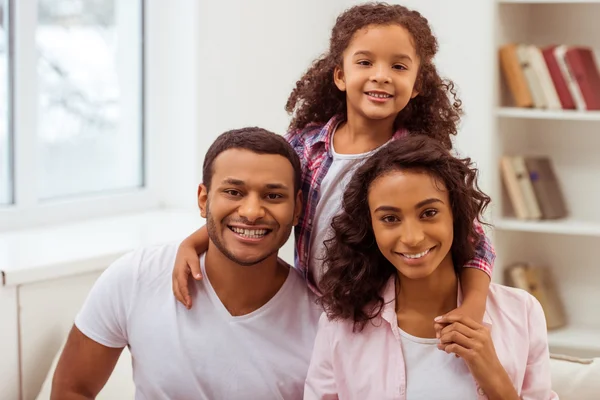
{"x":313,"y":146}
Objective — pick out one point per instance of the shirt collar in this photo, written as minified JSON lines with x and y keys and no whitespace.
{"x":324,"y":135}
{"x":389,"y":303}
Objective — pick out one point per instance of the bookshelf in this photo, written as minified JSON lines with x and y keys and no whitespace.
{"x":531,"y":113}
{"x":568,"y":247}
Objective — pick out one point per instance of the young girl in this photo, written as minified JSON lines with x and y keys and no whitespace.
{"x":393,"y":268}
{"x":376,"y":84}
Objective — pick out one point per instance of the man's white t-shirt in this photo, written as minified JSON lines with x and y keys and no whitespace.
{"x":202,"y":353}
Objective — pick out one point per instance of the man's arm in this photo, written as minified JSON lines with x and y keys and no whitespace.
{"x":99,"y":333}
{"x":83,"y":368}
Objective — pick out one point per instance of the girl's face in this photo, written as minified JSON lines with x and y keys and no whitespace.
{"x":412,"y":221}
{"x":379,"y":71}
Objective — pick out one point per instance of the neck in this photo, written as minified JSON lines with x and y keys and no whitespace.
{"x":243,"y":289}
{"x":419,"y":301}
{"x":360,"y":135}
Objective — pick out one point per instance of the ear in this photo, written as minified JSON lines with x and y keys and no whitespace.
{"x":339,"y":79}
{"x":414,"y":94}
{"x":202,"y":199}
{"x":298,"y":207}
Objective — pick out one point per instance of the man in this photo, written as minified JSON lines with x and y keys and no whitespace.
{"x":251,"y":330}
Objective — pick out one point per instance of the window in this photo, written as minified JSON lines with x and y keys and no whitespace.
{"x":72,"y":142}
{"x":89,"y":114}
{"x":5,"y":132}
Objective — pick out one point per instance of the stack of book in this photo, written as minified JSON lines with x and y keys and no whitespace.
{"x":552,"y":77}
{"x":532,"y":187}
{"x":539,"y":282}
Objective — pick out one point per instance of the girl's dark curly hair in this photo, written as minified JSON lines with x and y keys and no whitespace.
{"x":316,"y":98}
{"x":357,"y":271}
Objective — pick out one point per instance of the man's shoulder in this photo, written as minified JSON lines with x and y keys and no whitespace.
{"x":148,"y":262}
{"x":299,"y":287}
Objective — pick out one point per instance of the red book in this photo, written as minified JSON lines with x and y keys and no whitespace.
{"x":583,"y":68}
{"x":564,"y":95}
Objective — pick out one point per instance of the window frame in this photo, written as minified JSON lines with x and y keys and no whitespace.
{"x":26,"y":210}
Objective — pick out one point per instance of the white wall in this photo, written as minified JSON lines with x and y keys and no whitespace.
{"x":233,"y":64}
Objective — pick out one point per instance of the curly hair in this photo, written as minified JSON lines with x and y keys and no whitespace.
{"x":316,"y":98}
{"x":356,"y":270}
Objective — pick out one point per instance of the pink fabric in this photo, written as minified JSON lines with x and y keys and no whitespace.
{"x":369,"y":364}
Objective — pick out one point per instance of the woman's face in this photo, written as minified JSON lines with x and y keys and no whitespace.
{"x":412,"y":221}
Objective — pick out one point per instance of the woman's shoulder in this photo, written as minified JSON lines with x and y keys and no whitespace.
{"x":506,"y":300}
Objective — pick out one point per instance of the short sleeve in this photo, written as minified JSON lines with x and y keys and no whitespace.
{"x":537,"y":383}
{"x":103,"y":317}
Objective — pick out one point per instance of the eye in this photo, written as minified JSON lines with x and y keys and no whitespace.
{"x":232,"y":192}
{"x":430,"y":213}
{"x":274,"y":196}
{"x":390,"y":219}
{"x":364,"y":63}
{"x":399,"y":67}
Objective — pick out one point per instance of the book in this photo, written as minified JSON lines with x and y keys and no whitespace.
{"x":514,"y":76}
{"x":513,"y":188}
{"x":546,"y":187}
{"x":538,"y":282}
{"x":532,"y":79}
{"x":540,"y":68}
{"x":581,"y":64}
{"x":556,"y":74}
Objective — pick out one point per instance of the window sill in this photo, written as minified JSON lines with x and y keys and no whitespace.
{"x":35,"y":255}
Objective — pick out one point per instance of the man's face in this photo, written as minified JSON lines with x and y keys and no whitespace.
{"x":251,"y":207}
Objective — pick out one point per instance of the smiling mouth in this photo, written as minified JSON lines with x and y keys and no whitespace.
{"x":416,"y":256}
{"x":250,"y":233}
{"x":379,"y":95}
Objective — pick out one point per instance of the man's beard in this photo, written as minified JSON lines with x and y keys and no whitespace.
{"x":213,"y":235}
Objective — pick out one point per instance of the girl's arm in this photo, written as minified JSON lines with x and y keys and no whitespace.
{"x":187,"y":263}
{"x":475,"y":278}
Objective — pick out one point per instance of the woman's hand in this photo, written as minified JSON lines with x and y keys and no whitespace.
{"x":472,"y":342}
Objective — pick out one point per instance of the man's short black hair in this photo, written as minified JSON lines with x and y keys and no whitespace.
{"x":256,"y":140}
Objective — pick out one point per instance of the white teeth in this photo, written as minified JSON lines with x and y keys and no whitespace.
{"x":379,"y":95}
{"x":418,"y":255}
{"x":250,"y":233}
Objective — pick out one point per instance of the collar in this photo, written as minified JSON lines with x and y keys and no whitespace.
{"x":389,"y":307}
{"x":322,"y":136}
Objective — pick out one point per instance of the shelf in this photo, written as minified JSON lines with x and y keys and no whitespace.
{"x":531,"y":113}
{"x":575,"y":338}
{"x":560,"y":227}
{"x":549,"y":1}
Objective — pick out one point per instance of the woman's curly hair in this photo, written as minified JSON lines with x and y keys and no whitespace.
{"x":356,"y":270}
{"x":316,"y":98}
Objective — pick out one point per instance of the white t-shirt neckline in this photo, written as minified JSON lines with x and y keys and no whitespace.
{"x":214,"y":298}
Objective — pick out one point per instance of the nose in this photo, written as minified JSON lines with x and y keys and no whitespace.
{"x":412,"y":233}
{"x":251,"y":208}
{"x":381,"y":74}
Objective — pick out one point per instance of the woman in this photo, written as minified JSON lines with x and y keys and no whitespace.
{"x":392,"y":264}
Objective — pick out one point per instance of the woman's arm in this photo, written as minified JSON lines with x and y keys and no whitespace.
{"x":537,"y":380}
{"x":320,"y":382}
{"x":187,"y":263}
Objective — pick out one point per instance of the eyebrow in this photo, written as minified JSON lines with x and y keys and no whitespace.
{"x":419,"y":205}
{"x":238,"y":182}
{"x":367,"y":53}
